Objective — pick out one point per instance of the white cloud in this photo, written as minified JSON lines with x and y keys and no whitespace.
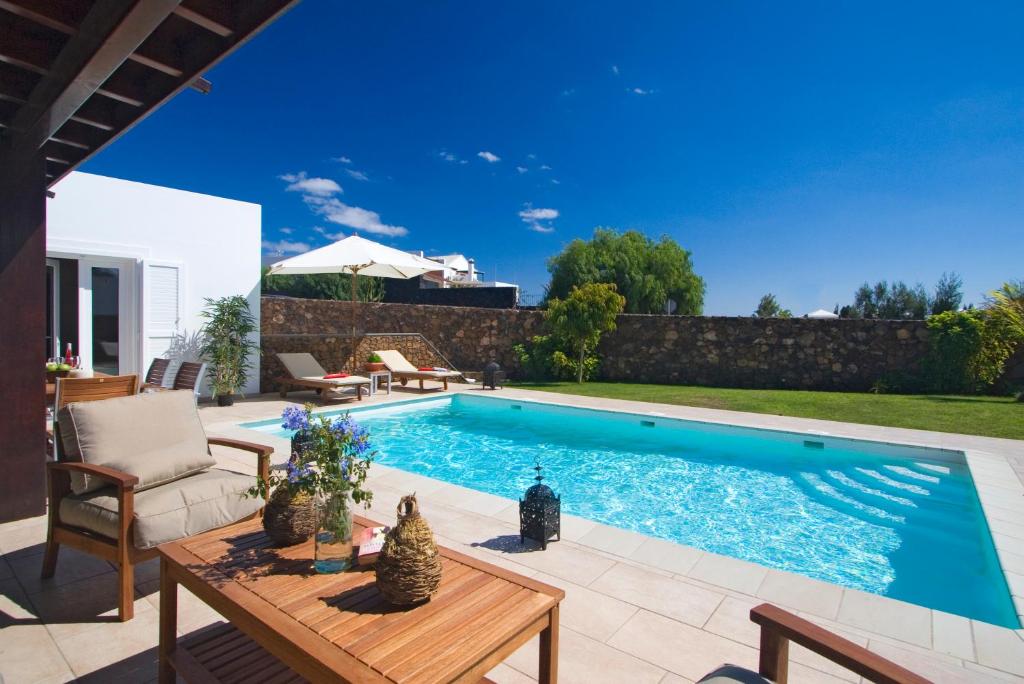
{"x":343,"y":159}
{"x":639,"y":91}
{"x":448,"y":156}
{"x":615,"y":69}
{"x":463,"y":161}
{"x":538,"y":220}
{"x":336,"y":211}
{"x":555,"y":181}
{"x":286,"y":230}
{"x":545,"y":167}
{"x":489,"y":157}
{"x":320,"y":187}
{"x":568,"y":91}
{"x":522,"y":169}
{"x":531,"y":156}
{"x":358,"y":175}
{"x":282,"y":247}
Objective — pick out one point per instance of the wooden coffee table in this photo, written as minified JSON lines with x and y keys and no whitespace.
{"x":289,"y":623}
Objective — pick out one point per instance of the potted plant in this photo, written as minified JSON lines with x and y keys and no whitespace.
{"x":329,"y":462}
{"x":374,"y":363}
{"x":227,"y":345}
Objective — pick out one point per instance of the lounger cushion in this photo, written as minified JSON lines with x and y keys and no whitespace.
{"x":400,"y":366}
{"x":157,"y":437}
{"x":178,"y":509}
{"x":302,"y":365}
{"x":733,"y":674}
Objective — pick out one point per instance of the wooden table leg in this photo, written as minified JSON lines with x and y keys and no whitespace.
{"x":547,"y":671}
{"x":168,"y":623}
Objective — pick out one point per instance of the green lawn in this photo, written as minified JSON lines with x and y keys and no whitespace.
{"x":988,"y":416}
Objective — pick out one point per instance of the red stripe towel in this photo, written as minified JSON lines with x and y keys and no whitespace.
{"x":426,"y":368}
{"x":332,"y":376}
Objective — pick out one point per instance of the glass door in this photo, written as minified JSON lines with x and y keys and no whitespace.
{"x":52,"y":308}
{"x":106,"y":315}
{"x":106,"y":319}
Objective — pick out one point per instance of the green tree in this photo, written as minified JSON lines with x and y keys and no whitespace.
{"x":647,"y":273}
{"x":322,"y":286}
{"x":896,"y":301}
{"x":769,"y":307}
{"x":581,"y":318}
{"x":948,"y":294}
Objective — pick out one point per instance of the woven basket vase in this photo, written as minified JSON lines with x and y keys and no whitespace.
{"x":409,"y":567}
{"x":288,"y":518}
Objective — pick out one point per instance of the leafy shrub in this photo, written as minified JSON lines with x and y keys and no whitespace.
{"x":541,"y":359}
{"x":968,"y":351}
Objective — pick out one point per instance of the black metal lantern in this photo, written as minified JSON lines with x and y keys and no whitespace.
{"x":493,"y":375}
{"x":540,"y":513}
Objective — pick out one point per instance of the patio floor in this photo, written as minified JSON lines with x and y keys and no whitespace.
{"x":637,"y":609}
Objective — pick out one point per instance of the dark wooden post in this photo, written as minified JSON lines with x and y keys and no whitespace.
{"x":22,"y":331}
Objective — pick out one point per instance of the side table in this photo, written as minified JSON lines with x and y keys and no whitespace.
{"x":376,"y":377}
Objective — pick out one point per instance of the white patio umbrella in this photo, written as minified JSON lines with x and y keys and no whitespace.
{"x":821,"y":313}
{"x":357,"y":256}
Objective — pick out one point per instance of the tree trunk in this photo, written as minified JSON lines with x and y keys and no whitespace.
{"x":579,"y":371}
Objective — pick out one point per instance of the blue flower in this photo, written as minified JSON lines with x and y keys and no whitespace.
{"x":295,"y":418}
{"x":298,"y":471}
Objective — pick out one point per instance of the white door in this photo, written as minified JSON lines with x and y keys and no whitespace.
{"x":163,"y":312}
{"x":107,"y":315}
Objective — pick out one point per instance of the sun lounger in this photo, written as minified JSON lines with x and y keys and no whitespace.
{"x":405,"y":371}
{"x":304,"y":371}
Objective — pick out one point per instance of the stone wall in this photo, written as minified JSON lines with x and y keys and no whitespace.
{"x":796,"y":353}
{"x":409,"y":292}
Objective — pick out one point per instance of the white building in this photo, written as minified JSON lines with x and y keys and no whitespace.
{"x":459,"y":271}
{"x":129,"y":266}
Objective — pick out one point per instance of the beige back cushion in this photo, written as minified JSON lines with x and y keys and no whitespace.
{"x":395,"y":362}
{"x":302,"y":365}
{"x":157,"y":437}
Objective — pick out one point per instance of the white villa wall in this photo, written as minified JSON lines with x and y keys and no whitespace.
{"x":215,"y":240}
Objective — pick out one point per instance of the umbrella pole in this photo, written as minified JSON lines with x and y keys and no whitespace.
{"x":355,"y":302}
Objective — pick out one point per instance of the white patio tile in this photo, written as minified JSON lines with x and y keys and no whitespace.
{"x":562,"y":560}
{"x":928,"y":666}
{"x":801,"y":593}
{"x":574,"y":527}
{"x":505,"y":674}
{"x":731,"y":573}
{"x":589,"y":612}
{"x":659,"y":594}
{"x":613,"y":540}
{"x":951,"y":634}
{"x":29,"y":654}
{"x":582,"y":660}
{"x":469,"y":499}
{"x":665,"y":555}
{"x":85,"y":655}
{"x":999,"y":648}
{"x":882,"y":615}
{"x":72,"y":565}
{"x":679,"y":647}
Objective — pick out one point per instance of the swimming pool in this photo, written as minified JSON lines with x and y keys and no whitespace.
{"x":900,"y":521}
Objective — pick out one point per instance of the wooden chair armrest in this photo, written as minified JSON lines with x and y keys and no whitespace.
{"x":262,"y":452}
{"x":121,"y":479}
{"x":779,"y":627}
{"x":241,"y":444}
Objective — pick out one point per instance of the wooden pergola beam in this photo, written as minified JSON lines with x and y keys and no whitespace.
{"x":108,"y":35}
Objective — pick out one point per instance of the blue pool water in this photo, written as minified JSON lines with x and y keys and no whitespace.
{"x":900,"y":521}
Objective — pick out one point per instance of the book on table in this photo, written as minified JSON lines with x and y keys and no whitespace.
{"x":370,"y":542}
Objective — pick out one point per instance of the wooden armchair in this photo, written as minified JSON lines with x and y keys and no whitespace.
{"x":123,"y":514}
{"x":779,"y":627}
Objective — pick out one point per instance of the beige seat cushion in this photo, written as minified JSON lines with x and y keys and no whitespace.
{"x":399,"y":365}
{"x":302,"y":365}
{"x":340,"y":382}
{"x":178,"y":509}
{"x":157,"y":437}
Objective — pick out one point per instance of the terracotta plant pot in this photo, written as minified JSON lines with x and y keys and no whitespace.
{"x":370,"y":367}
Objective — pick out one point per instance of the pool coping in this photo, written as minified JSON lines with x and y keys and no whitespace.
{"x":998,"y":484}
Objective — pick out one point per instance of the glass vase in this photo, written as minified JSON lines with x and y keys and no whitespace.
{"x":333,"y":534}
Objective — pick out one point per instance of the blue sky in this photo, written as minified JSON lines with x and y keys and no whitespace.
{"x":796,"y":148}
